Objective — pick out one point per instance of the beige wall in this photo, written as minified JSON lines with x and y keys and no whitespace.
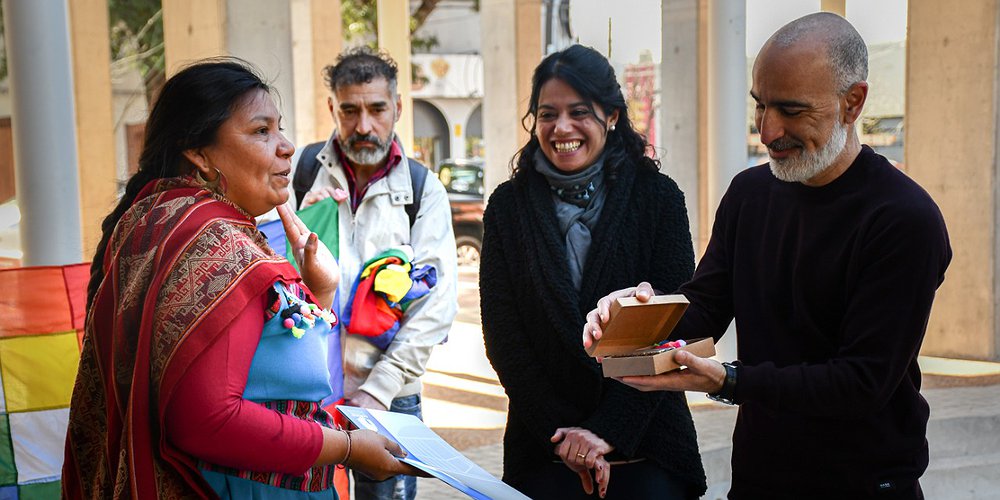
{"x":682,"y":124}
{"x":290,"y":41}
{"x":327,"y":34}
{"x":317,"y":41}
{"x":192,"y":29}
{"x":951,"y":150}
{"x":706,"y":213}
{"x":835,"y":6}
{"x":394,"y":38}
{"x":511,"y":38}
{"x":528,"y":22}
{"x":94,"y":124}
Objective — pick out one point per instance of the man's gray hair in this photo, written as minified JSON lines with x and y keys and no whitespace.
{"x":361,"y":65}
{"x":845,"y":48}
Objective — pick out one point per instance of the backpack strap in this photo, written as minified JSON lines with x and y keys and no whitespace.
{"x":306,"y":170}
{"x":418,"y":175}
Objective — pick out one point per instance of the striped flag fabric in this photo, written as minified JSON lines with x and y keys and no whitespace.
{"x":43,"y":311}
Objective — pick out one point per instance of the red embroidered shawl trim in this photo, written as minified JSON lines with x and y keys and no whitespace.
{"x":180,"y":266}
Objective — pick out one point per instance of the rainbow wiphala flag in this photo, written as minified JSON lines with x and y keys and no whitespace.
{"x":41,"y":324}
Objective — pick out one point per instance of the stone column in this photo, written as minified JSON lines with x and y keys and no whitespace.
{"x":680,"y":123}
{"x":192,"y":29}
{"x":94,"y":117}
{"x":511,"y":46}
{"x":317,"y":42}
{"x":727,"y":95}
{"x":457,"y":130}
{"x":836,"y":6}
{"x":394,"y":38}
{"x":259,"y":31}
{"x":42,"y":116}
{"x":528,"y":24}
{"x":951,"y":150}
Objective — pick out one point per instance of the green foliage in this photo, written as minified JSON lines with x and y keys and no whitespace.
{"x":136,"y":36}
{"x":360,"y":24}
{"x":422,"y":44}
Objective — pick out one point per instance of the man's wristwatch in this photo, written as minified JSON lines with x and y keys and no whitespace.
{"x":727,"y":394}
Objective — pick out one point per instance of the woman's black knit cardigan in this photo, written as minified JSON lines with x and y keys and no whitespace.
{"x":533,"y":319}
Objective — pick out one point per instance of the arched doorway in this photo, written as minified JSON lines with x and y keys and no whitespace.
{"x":430,"y":134}
{"x":474,"y":146}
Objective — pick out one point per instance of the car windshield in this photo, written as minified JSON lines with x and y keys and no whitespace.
{"x":462,"y":179}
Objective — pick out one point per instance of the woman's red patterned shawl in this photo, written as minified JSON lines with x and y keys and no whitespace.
{"x":181,"y":264}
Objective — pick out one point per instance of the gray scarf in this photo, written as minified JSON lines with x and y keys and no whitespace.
{"x":579,"y":198}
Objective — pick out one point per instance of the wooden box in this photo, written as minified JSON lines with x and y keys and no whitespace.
{"x":633,"y":329}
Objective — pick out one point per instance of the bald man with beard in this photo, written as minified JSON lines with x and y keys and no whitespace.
{"x":828,"y":258}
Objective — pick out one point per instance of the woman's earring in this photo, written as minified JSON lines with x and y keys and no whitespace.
{"x":220,"y":182}
{"x":216,"y":185}
{"x":612,"y":127}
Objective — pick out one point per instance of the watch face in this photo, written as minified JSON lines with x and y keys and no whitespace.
{"x":720,"y":399}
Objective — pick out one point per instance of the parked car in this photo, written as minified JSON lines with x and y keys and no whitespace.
{"x":463,"y":179}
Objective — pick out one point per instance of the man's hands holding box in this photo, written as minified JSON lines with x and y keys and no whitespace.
{"x":701,"y":374}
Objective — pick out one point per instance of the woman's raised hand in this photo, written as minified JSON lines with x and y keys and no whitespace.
{"x":319,"y":269}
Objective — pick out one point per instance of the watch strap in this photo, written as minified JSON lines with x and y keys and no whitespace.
{"x":727,"y":394}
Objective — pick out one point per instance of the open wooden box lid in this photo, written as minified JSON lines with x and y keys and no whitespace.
{"x":637,"y":325}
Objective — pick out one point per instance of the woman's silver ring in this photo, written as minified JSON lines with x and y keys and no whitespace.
{"x":581,"y":455}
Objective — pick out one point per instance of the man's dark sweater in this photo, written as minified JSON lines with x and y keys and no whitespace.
{"x":831,"y":288}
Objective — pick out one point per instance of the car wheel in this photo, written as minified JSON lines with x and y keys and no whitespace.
{"x":467,"y":248}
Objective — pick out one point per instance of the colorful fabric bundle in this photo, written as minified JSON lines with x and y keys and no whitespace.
{"x":43,"y":313}
{"x":385,"y":288}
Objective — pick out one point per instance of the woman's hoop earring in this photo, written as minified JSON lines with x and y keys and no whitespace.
{"x":220,"y":182}
{"x":216,"y":185}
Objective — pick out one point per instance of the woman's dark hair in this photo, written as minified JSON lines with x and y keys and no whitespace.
{"x":590,"y":75}
{"x":188,"y":112}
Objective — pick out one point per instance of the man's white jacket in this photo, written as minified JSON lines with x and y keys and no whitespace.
{"x":379,"y":223}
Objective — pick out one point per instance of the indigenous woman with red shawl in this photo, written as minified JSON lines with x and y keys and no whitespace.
{"x":203,"y":361}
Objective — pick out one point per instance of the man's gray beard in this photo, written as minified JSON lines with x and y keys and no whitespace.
{"x":365,"y":156}
{"x":808,"y":165}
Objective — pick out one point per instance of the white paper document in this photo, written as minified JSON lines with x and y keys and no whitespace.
{"x":428,"y":452}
